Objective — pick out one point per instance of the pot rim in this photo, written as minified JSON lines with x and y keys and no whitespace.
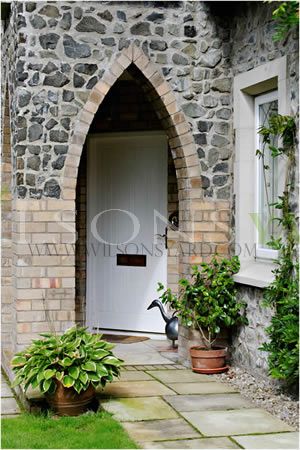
{"x":201,"y":347}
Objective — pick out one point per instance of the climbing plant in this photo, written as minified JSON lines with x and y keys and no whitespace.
{"x":283,"y":292}
{"x":286,"y":17}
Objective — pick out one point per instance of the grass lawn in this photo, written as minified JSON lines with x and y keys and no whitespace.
{"x":98,"y":430}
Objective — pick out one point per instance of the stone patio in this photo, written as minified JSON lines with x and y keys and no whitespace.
{"x":164,"y":405}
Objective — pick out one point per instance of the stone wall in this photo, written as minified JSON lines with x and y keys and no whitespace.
{"x":252,"y":44}
{"x":63,"y":49}
{"x":247,"y":340}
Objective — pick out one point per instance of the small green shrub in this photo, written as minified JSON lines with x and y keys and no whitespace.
{"x":208,"y":301}
{"x":76,"y":359}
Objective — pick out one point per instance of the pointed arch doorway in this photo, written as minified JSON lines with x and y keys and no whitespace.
{"x":127,"y":206}
{"x":182,"y":154}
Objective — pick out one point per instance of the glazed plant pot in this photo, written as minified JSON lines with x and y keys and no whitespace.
{"x":67,"y":402}
{"x":208,"y":360}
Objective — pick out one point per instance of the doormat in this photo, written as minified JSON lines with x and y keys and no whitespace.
{"x":123,"y":339}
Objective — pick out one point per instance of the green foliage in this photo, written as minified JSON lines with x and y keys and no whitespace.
{"x":286,"y":17}
{"x":283,"y":293}
{"x":208,"y":301}
{"x":76,"y":359}
{"x":89,"y":430}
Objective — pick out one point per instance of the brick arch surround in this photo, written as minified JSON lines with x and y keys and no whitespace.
{"x":181,"y":139}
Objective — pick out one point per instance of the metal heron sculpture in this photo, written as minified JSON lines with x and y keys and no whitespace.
{"x":171,"y":328}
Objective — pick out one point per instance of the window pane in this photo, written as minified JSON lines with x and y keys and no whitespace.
{"x":268,"y":179}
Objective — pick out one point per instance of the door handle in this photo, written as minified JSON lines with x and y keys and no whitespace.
{"x":165,"y":236}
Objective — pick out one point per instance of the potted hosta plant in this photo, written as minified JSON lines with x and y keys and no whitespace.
{"x":208,"y":303}
{"x":67,"y":368}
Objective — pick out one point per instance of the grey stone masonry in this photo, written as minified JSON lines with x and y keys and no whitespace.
{"x":64,"y":48}
{"x":248,"y":339}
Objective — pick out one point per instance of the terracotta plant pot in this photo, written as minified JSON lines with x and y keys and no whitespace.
{"x":208,"y":361}
{"x":67,"y":402}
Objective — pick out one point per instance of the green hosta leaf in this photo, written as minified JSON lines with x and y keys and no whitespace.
{"x":32,"y":373}
{"x":101,"y":370}
{"x":78,"y":386}
{"x":100,"y":354}
{"x":90,"y":366}
{"x":83,"y":377}
{"x":66,"y":362}
{"x":59,"y":375}
{"x":46,"y":385}
{"x":40,"y":376}
{"x":112,"y":361}
{"x":18,"y":361}
{"x":93,"y":376}
{"x":74,"y":372}
{"x":68,"y":381}
{"x":109,"y":377}
{"x":49,"y":373}
{"x":109,"y":346}
{"x":34,"y":383}
{"x":52,"y":387}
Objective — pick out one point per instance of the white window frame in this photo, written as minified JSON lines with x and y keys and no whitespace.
{"x":261,"y":252}
{"x":246,"y":86}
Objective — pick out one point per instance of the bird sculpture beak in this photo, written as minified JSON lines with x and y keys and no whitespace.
{"x":150,"y":307}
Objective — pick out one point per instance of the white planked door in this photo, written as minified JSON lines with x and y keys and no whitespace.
{"x":126,"y":188}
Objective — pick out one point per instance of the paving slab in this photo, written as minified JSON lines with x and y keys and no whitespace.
{"x":135,"y":375}
{"x":204,"y":443}
{"x":9,"y":406}
{"x":136,"y":389}
{"x":142,"y":408}
{"x":235,"y":422}
{"x":171,"y":356}
{"x":158,"y":430}
{"x":146,"y":358}
{"x":179,"y":376}
{"x":277,"y":440}
{"x":159,"y":344}
{"x":210,"y":402}
{"x":209,"y":387}
{"x":139,"y":353}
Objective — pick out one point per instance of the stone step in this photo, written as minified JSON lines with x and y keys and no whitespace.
{"x":9,"y":406}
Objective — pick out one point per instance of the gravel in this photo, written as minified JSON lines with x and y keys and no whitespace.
{"x":264,"y":394}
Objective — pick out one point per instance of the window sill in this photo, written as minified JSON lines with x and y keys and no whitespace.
{"x":255,"y":273}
